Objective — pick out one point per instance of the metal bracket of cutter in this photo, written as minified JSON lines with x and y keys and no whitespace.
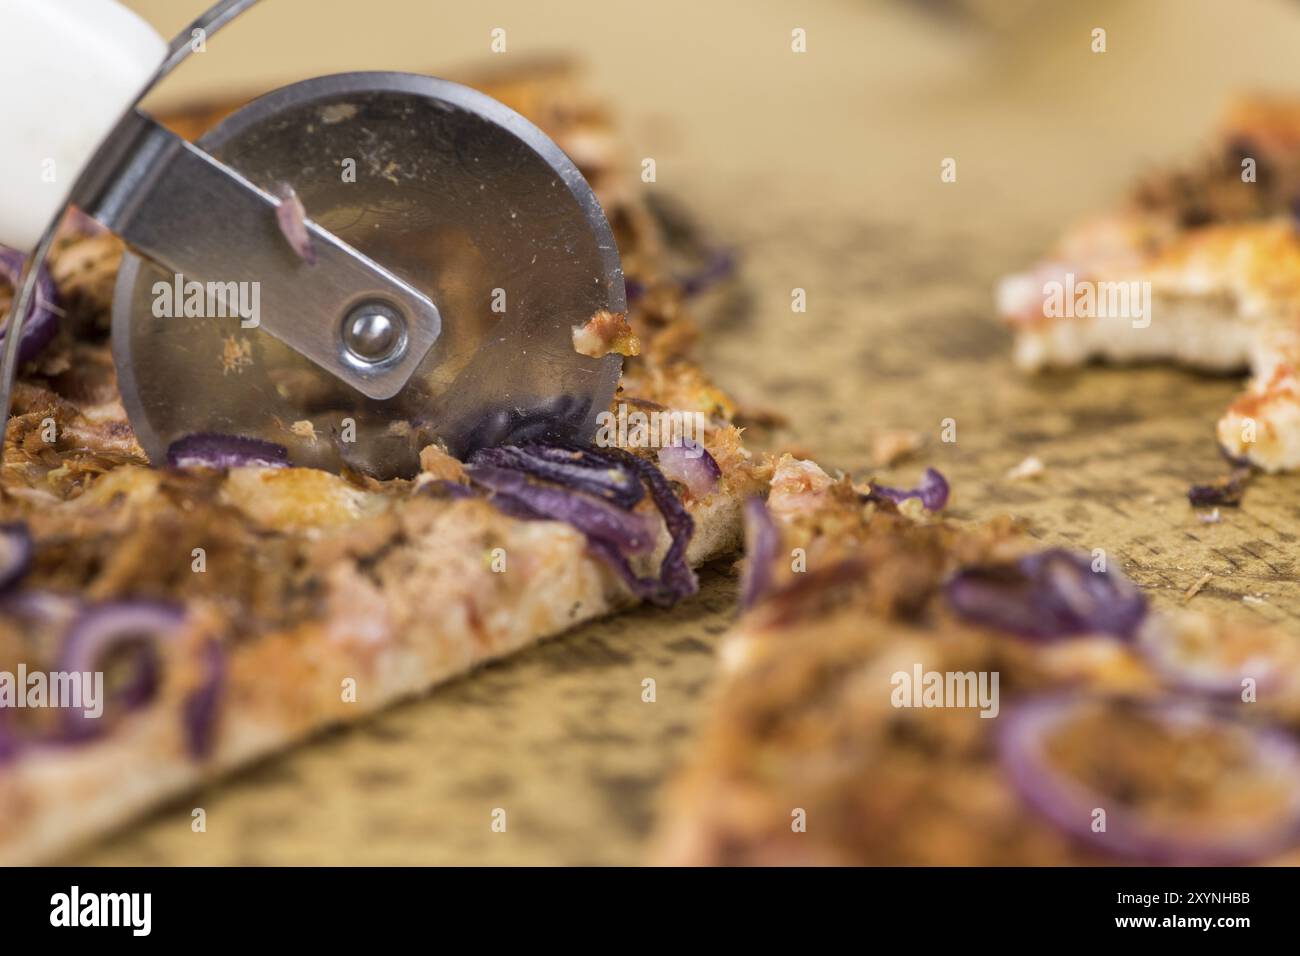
{"x":197,"y":218}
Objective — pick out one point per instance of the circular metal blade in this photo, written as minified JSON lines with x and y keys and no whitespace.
{"x":455,"y":193}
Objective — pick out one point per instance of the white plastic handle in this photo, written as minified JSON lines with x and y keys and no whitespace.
{"x":68,"y":70}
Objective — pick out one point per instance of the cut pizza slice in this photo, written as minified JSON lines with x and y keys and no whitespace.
{"x":926,"y":692}
{"x":1199,"y":267}
{"x":235,"y":607}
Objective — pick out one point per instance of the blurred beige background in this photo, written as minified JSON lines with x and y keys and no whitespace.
{"x":823,"y":170}
{"x":714,"y":88}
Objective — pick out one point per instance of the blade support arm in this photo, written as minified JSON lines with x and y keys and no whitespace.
{"x":204,"y":222}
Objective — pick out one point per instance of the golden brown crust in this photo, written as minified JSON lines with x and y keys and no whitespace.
{"x":604,"y":333}
{"x":1218,"y":248}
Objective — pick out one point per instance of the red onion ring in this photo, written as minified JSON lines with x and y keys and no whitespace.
{"x":1068,"y":805}
{"x":676,"y":578}
{"x":225,"y":451}
{"x":1047,"y":595}
{"x":43,"y":321}
{"x":594,"y":517}
{"x":612,"y":530}
{"x":692,"y":465}
{"x":102,"y":629}
{"x":579,"y":468}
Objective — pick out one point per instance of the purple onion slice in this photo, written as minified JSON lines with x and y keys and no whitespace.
{"x":226,"y":451}
{"x":932,"y":491}
{"x":676,"y":578}
{"x":595,"y":518}
{"x":692,"y":465}
{"x":1148,"y":763}
{"x":762,"y":538}
{"x":43,"y":321}
{"x":519,"y":509}
{"x":589,"y":489}
{"x":291,"y":217}
{"x":16,"y":552}
{"x":202,"y":708}
{"x":1048,"y":595}
{"x":582,"y":469}
{"x":103,"y":632}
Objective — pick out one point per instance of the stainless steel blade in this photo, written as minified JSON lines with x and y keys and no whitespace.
{"x":197,"y":219}
{"x":453,"y":193}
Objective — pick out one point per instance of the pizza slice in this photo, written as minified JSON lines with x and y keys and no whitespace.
{"x":234,"y":607}
{"x":1199,"y":267}
{"x":905,"y":689}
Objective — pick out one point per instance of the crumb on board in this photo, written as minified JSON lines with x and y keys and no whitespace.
{"x":1031,"y":467}
{"x":304,"y":429}
{"x":605,"y":332}
{"x":1195,"y":589}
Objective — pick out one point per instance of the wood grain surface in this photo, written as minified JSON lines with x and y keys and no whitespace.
{"x":823,"y":171}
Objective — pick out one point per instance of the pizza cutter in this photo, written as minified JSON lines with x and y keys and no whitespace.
{"x":456,"y":247}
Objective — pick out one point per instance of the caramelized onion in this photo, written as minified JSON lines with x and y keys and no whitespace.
{"x":1047,"y":595}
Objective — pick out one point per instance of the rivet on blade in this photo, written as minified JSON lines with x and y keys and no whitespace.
{"x":374,"y":333}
